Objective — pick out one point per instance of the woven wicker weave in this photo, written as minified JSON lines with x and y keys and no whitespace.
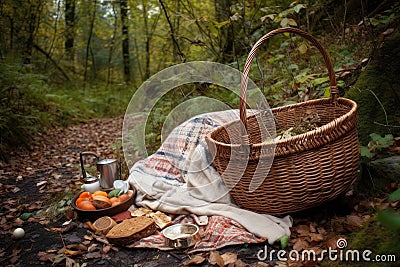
{"x":307,"y":169}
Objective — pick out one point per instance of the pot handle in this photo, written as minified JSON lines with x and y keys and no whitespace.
{"x":86,"y":153}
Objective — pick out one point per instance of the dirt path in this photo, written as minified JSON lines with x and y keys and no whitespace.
{"x":36,"y":179}
{"x":43,"y":174}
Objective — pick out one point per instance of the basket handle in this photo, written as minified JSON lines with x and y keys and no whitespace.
{"x":245,"y":75}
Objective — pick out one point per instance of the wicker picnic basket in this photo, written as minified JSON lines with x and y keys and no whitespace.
{"x":300,"y":171}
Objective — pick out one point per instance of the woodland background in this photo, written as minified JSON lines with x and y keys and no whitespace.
{"x":69,"y":68}
{"x":65,"y":61}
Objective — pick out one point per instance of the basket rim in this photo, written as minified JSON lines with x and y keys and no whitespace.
{"x":290,"y":140}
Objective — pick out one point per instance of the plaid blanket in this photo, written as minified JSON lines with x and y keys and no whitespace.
{"x":168,"y":170}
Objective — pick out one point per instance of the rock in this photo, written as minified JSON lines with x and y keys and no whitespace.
{"x":377,"y":91}
{"x":387,"y":167}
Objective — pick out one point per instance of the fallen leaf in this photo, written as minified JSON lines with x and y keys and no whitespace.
{"x":70,"y":252}
{"x":316,"y":237}
{"x":240,"y":263}
{"x":93,"y":255}
{"x":70,"y":262}
{"x":41,"y":183}
{"x":317,"y":250}
{"x":388,"y":32}
{"x":384,"y":206}
{"x":88,"y":237}
{"x":263,"y":264}
{"x":66,"y":222}
{"x":105,"y":249}
{"x":92,"y":248}
{"x":300,"y":244}
{"x":69,"y":227}
{"x":56,"y":176}
{"x":15,"y":253}
{"x":102,"y":240}
{"x":77,"y":247}
{"x":71,"y":214}
{"x":354,"y":220}
{"x":18,"y":221}
{"x":229,"y":257}
{"x":44,"y":256}
{"x":16,"y":189}
{"x":216,"y":259}
{"x":196,"y":259}
{"x":302,"y":229}
{"x":332,"y":242}
{"x":394,"y":204}
{"x":321,"y":230}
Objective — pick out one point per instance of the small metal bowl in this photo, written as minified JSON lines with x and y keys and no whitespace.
{"x":181,"y":235}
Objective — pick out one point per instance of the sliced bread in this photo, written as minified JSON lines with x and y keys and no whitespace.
{"x":131,"y":230}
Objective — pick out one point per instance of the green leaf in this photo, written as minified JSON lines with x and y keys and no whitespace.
{"x":269,"y":16}
{"x":288,"y":22}
{"x":26,"y":215}
{"x":374,"y":21}
{"x":366,"y":153}
{"x":61,"y":203}
{"x":221,"y":24}
{"x":213,"y":29}
{"x":284,"y":241}
{"x":389,"y":218}
{"x":394,"y":196}
{"x":318,"y":81}
{"x":327,"y":92}
{"x":298,"y":7}
{"x":381,"y":142}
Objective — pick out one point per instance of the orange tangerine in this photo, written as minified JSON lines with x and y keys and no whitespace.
{"x":86,"y":205}
{"x":100,"y":193}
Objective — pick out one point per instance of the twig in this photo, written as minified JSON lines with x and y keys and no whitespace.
{"x":383,"y":108}
{"x":62,"y":239}
{"x":386,"y":125}
{"x":261,"y":73}
{"x":172,"y":33}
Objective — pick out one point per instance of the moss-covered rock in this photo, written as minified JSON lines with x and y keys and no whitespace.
{"x":375,"y":238}
{"x":377,"y":91}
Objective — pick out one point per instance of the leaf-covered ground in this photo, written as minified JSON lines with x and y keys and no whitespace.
{"x":36,"y":185}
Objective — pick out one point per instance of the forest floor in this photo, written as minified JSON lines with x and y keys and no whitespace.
{"x":35,"y":183}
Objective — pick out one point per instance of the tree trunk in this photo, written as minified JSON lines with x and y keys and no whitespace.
{"x":226,"y":40}
{"x":69,"y":29}
{"x":177,"y":48}
{"x":147,"y":42}
{"x":111,"y":50}
{"x":90,"y":39}
{"x":125,"y":40}
{"x":34,"y":9}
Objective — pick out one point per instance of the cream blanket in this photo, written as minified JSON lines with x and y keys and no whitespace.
{"x":198,"y":188}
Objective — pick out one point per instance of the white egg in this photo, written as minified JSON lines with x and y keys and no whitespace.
{"x":18,"y":233}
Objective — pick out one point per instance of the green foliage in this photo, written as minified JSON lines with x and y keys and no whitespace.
{"x":387,"y":17}
{"x":376,"y":145}
{"x":380,"y":240}
{"x":395,"y":196}
{"x":28,"y":104}
{"x":20,"y":104}
{"x":283,"y":18}
{"x":389,"y":217}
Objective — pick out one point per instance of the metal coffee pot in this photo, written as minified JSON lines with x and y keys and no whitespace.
{"x":108,"y":170}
